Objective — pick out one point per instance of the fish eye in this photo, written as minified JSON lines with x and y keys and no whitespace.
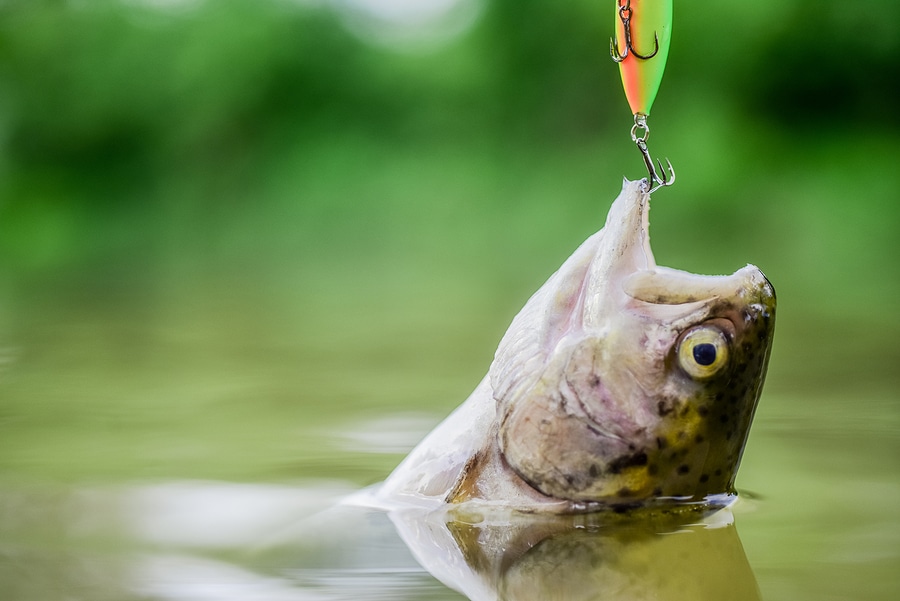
{"x":703,"y":352}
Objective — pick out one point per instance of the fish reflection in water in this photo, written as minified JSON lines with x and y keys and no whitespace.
{"x":592,"y":556}
{"x":264,"y":546}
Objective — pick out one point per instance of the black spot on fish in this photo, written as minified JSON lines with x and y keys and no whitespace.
{"x":626,"y":461}
{"x":594,"y":471}
{"x":662,"y":409}
{"x":594,"y":381}
{"x":704,"y":478}
{"x":625,"y":492}
{"x":652,"y":469}
{"x":703,"y":411}
{"x":699,"y":439}
{"x":723,"y":418}
{"x":684,"y":469}
{"x":661,"y":443}
{"x":718,"y":472}
{"x":657,"y":491}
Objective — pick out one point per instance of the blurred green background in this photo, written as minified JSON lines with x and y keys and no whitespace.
{"x":229,"y":229}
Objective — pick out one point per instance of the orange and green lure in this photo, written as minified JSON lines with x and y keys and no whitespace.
{"x":644,"y":31}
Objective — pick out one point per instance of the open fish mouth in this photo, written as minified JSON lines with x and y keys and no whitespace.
{"x":619,"y":382}
{"x":624,"y":380}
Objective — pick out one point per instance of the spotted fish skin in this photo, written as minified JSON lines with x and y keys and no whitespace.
{"x":619,"y":382}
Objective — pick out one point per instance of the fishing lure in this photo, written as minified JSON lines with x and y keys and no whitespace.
{"x":645,"y":27}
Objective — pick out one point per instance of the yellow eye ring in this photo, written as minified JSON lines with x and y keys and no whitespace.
{"x":703,"y":352}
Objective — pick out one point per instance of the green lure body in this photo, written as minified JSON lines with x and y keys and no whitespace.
{"x":644,"y":28}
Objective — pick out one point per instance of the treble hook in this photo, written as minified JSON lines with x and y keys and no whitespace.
{"x":625,"y":14}
{"x":656,"y":179}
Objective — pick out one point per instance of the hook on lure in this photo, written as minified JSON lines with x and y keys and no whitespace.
{"x":625,"y":14}
{"x":640,"y":132}
{"x":636,"y":22}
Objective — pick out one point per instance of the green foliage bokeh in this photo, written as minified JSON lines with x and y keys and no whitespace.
{"x":404,"y":195}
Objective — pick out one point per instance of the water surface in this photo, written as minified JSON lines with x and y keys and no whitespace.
{"x":195,"y":443}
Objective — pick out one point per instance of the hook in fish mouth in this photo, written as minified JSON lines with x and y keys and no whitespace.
{"x":640,"y":133}
{"x":643,"y":383}
{"x":619,"y":381}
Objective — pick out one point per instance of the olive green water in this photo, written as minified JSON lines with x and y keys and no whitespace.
{"x":156,"y":445}
{"x":250,"y":254}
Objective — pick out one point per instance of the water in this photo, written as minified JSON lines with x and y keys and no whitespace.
{"x":191,"y":439}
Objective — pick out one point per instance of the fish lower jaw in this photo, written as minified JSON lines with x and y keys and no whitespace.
{"x":571,"y":459}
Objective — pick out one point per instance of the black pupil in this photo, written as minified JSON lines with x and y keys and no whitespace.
{"x":705,"y":354}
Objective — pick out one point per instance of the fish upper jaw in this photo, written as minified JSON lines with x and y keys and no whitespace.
{"x":623,"y":274}
{"x":622,"y":250}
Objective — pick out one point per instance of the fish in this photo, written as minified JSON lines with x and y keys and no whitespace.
{"x":620,"y":383}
